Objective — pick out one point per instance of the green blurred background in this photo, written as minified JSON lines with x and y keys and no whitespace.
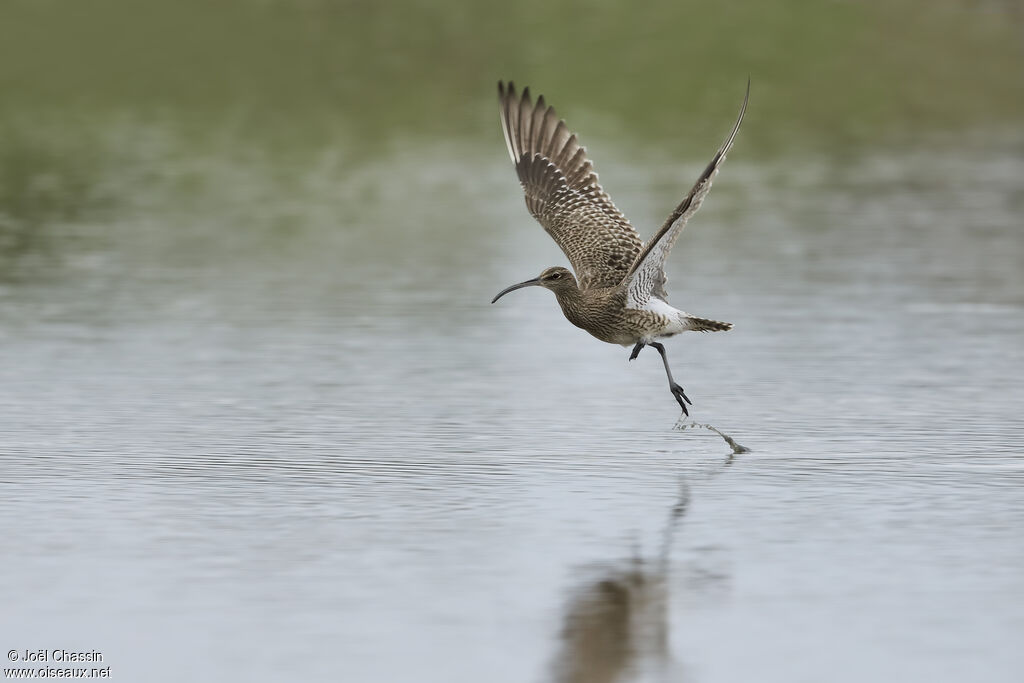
{"x":824,"y":71}
{"x":98,"y":96}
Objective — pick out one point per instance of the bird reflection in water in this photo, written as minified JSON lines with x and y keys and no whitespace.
{"x":616,"y":623}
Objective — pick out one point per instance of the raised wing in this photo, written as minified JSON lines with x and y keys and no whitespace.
{"x":562,"y":191}
{"x":646,"y":276}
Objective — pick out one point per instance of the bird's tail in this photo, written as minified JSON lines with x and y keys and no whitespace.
{"x":705,"y":325}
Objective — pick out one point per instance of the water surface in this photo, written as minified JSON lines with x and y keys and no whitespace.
{"x":274,"y":428}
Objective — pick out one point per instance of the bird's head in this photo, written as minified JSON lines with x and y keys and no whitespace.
{"x":557,"y":279}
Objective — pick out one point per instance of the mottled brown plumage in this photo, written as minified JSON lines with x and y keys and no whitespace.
{"x":620,"y":294}
{"x":562,"y":191}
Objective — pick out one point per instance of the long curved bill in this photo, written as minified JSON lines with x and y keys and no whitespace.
{"x":534,"y":281}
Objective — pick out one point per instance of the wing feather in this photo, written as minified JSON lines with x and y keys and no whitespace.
{"x":562,"y":191}
{"x":646,"y":275}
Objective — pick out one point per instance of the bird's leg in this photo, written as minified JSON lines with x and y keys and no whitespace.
{"x":676,"y":390}
{"x":636,"y":350}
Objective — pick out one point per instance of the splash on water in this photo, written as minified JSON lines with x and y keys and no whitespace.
{"x":682,"y":426}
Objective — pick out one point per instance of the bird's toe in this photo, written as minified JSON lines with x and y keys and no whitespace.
{"x":681,"y":396}
{"x":683,"y":406}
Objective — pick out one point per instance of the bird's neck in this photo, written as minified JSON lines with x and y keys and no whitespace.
{"x":573,"y":304}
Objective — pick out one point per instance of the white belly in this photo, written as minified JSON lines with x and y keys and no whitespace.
{"x":676,"y":319}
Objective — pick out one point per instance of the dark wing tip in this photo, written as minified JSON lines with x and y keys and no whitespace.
{"x":507,"y":91}
{"x":739,"y":120}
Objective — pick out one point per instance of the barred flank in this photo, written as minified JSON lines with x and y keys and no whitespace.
{"x":705,"y":325}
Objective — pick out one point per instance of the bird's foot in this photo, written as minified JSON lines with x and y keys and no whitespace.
{"x":636,"y":351}
{"x":681,"y":396}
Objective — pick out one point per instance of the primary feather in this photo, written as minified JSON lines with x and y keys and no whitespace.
{"x":563,"y":193}
{"x":646,"y":275}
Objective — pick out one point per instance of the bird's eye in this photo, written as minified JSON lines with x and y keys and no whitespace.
{"x":554,"y":276}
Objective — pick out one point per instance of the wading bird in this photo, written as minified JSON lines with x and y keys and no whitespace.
{"x":618,"y":293}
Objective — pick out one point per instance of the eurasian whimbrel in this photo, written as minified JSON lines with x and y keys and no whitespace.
{"x":618,"y":294}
